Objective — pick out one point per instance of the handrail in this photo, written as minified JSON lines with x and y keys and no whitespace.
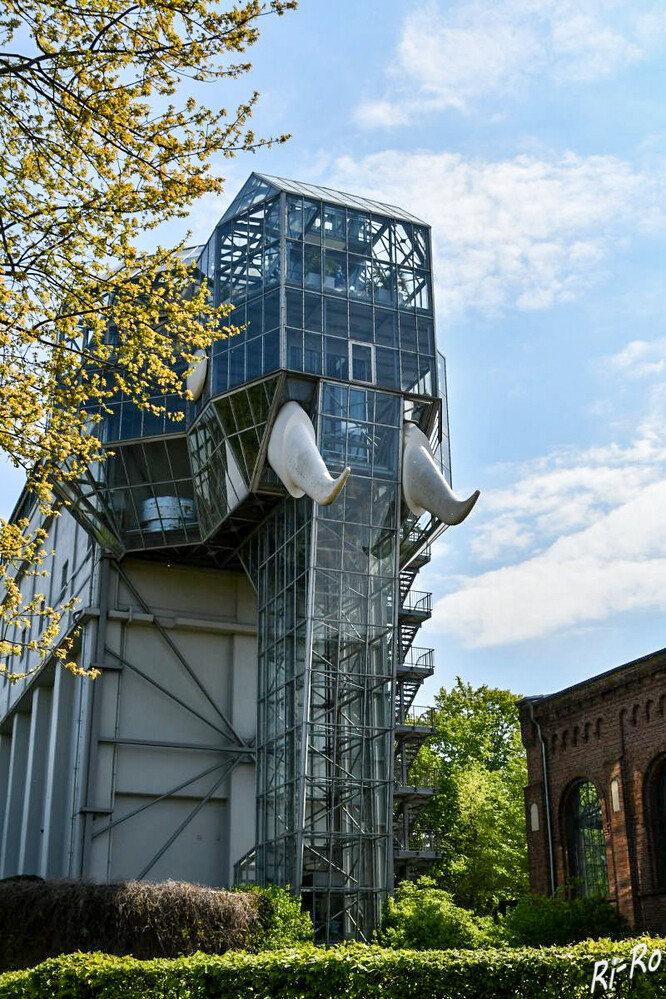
{"x":418,"y":716}
{"x":418,"y":658}
{"x":417,"y":600}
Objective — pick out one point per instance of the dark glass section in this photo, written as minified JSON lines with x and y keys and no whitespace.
{"x":586,"y":843}
{"x":327,"y":584}
{"x":224,"y":447}
{"x":657,"y":794}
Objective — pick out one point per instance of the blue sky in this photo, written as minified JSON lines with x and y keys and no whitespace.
{"x":531,"y":135}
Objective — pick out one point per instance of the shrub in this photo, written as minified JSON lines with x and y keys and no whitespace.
{"x":540,"y":921}
{"x":282,"y":920}
{"x":41,"y":919}
{"x":422,"y":916}
{"x":352,"y":972}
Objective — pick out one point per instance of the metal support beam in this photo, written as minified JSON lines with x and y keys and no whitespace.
{"x":33,"y":800}
{"x":11,"y":832}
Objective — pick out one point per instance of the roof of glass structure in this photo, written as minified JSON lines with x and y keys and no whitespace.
{"x":260,"y":186}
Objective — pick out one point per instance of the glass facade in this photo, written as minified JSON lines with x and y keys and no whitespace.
{"x":332,"y":295}
{"x":327,"y":584}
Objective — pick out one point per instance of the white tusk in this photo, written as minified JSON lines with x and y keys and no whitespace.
{"x":197,"y":377}
{"x":294,"y":457}
{"x":423,"y":485}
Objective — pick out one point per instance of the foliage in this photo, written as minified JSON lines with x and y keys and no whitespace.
{"x":351,"y":972}
{"x":40,"y":919}
{"x":540,"y":921}
{"x":100,"y":142}
{"x":421,"y":916}
{"x":478,"y":811}
{"x":282,"y":920}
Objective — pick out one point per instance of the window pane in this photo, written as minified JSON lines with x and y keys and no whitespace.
{"x":408,"y":332}
{"x":271,"y":311}
{"x":312,"y":312}
{"x":386,"y":328}
{"x":312,"y":267}
{"x":387,"y":367}
{"x":294,"y":262}
{"x":383,"y":278}
{"x":294,"y":217}
{"x":586,"y":841}
{"x":335,"y":317}
{"x":312,"y":354}
{"x":295,"y":350}
{"x":335,"y":271}
{"x":361,"y":362}
{"x":294,"y":309}
{"x":360,"y":278}
{"x":334,"y":225}
{"x":271,"y":351}
{"x":360,"y":322}
{"x":337,"y":363}
{"x":358,"y":232}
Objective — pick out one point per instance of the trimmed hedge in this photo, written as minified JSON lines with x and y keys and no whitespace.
{"x":540,"y":921}
{"x":349,"y":972}
{"x":42,"y":919}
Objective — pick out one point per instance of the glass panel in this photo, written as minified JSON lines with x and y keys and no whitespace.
{"x":294,"y":217}
{"x":586,"y":841}
{"x":311,"y":221}
{"x":312,"y":266}
{"x":312,"y":312}
{"x":382,"y":239}
{"x":334,"y":225}
{"x":360,"y":278}
{"x":335,"y":271}
{"x":408,"y":332}
{"x":386,"y":328}
{"x":659,"y":821}
{"x":360,"y":322}
{"x":294,"y":300}
{"x":383,"y":278}
{"x":337,"y":364}
{"x":359,"y":234}
{"x":272,"y":351}
{"x":335,"y":317}
{"x":387,"y":367}
{"x":294,"y":262}
{"x":271,"y":266}
{"x":295,"y":350}
{"x":271,"y":310}
{"x":361,"y":362}
{"x":312,"y":354}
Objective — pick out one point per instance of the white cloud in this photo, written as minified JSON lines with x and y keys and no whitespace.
{"x":455,"y":55}
{"x":581,"y":535}
{"x":525,"y":232}
{"x":641,"y":359}
{"x":617,"y":564}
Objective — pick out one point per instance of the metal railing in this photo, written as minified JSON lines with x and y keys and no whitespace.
{"x":417,"y":716}
{"x":418,"y":658}
{"x":423,"y":777}
{"x":418,"y":841}
{"x":417,"y":600}
{"x":245,"y":868}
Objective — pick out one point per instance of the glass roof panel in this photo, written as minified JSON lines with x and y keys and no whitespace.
{"x":255,"y":189}
{"x":260,"y":186}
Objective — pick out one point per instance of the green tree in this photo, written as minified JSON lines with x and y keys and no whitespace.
{"x":100,"y":141}
{"x":478,"y":811}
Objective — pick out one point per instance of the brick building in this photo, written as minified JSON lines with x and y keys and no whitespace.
{"x":596,"y":798}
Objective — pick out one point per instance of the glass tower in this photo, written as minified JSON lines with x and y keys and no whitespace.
{"x":333,"y":295}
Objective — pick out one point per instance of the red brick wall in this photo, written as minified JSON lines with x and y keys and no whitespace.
{"x":612,"y":727}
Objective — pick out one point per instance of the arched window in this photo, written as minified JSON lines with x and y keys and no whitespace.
{"x":657,"y":791}
{"x":586,"y":843}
